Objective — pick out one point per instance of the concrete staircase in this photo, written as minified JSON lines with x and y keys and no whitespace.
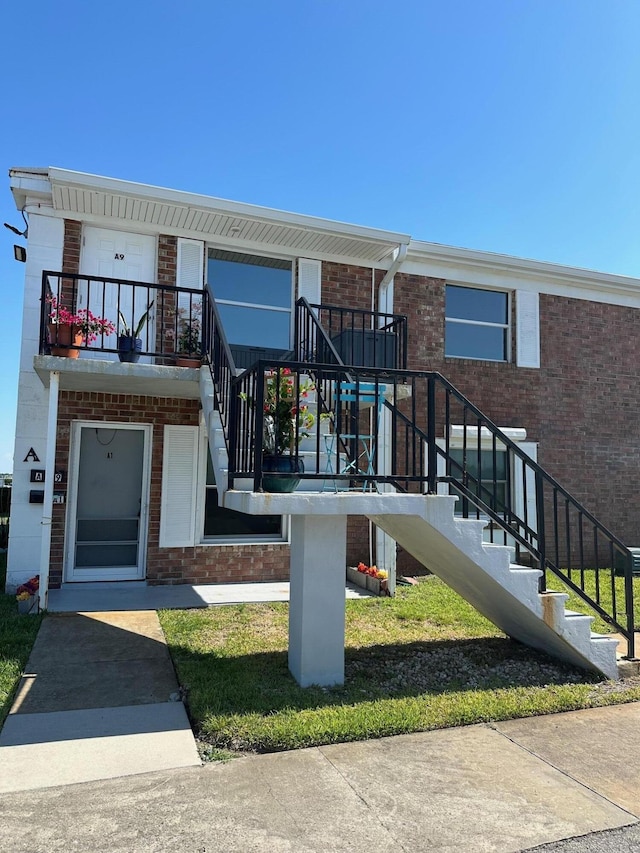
{"x":506,"y":593}
{"x":451,"y":548}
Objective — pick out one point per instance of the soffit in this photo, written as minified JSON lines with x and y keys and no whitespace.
{"x":218,"y":220}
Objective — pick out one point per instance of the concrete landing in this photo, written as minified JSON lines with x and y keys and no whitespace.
{"x":136,"y":595}
{"x":97,"y":701}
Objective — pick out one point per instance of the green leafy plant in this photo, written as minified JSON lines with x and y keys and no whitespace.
{"x":189,"y":341}
{"x":127,"y":330}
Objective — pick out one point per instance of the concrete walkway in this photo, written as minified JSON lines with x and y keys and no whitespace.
{"x":99,"y":699}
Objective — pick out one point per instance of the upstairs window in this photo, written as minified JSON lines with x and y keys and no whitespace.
{"x":477,"y":323}
{"x":254,"y":296}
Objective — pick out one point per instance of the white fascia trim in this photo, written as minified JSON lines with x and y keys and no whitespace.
{"x":489,"y":269}
{"x":30,"y":186}
{"x":249,"y":247}
{"x":212,"y":204}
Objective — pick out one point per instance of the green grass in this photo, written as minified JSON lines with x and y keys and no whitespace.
{"x":422,"y":660}
{"x":17,"y":635}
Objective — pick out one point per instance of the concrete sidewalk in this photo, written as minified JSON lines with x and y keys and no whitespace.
{"x":486,"y":788}
{"x":97,"y":755}
{"x":99,"y":699}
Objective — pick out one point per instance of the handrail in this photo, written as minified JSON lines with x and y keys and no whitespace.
{"x":307,"y":331}
{"x":491,"y":474}
{"x":355,"y":336}
{"x":550,"y":548}
{"x":221,"y":363}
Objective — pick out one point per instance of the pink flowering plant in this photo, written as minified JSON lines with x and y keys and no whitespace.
{"x":82,"y":320}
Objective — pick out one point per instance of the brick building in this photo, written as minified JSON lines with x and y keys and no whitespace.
{"x":547,"y":352}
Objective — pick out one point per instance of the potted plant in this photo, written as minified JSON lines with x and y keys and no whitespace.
{"x":27,"y":595}
{"x":287,"y":420}
{"x":69,"y":330}
{"x":129,"y":340}
{"x":189,"y":343}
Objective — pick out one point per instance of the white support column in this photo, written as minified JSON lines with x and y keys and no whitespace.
{"x":385,"y":545}
{"x":317,"y":599}
{"x":49,"y":473}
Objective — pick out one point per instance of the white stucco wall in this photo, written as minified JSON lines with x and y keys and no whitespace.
{"x":44,"y":251}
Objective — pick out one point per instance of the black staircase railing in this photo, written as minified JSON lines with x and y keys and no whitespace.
{"x":221,"y":364}
{"x":376,"y":424}
{"x":496,"y":480}
{"x":418,"y":433}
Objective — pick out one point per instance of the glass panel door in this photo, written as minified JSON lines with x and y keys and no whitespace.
{"x":108,"y":526}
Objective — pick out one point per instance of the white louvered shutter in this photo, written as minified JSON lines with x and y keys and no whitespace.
{"x":190,"y":264}
{"x":527,"y":329}
{"x":179,"y":484}
{"x":310,"y":280}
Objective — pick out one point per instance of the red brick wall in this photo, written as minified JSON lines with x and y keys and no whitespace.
{"x":72,"y":246}
{"x":348,"y":286}
{"x":581,"y":405}
{"x":200,"y":564}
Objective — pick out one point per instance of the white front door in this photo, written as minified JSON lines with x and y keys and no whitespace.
{"x":120,"y":255}
{"x":108,"y":503}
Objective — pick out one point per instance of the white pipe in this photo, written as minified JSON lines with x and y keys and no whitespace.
{"x":49,"y":474}
{"x":383,"y":301}
{"x":385,"y":545}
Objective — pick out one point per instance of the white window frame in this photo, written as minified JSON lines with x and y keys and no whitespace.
{"x":258,"y":305}
{"x":282,"y":539}
{"x":517,"y":435}
{"x":506,"y":326}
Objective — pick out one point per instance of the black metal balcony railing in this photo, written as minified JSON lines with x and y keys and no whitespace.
{"x":329,"y":334}
{"x":173,"y":326}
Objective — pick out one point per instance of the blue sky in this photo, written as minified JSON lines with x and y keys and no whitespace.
{"x":504,"y":125}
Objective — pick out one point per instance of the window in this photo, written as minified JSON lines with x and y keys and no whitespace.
{"x":491,"y":491}
{"x":477,"y":323}
{"x":511,"y":481}
{"x":254,"y":296}
{"x":227,"y":524}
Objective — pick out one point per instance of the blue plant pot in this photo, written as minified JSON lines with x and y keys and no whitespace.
{"x":289,"y":465}
{"x":129,"y":348}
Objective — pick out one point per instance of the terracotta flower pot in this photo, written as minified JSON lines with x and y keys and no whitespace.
{"x":64,"y":340}
{"x":187,"y":361}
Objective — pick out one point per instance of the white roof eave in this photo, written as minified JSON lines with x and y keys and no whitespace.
{"x":441,"y":261}
{"x":375,"y":244}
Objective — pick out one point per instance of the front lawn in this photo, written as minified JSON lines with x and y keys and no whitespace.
{"x":17,"y":635}
{"x":422,"y":660}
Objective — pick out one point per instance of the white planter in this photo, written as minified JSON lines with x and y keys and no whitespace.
{"x":28,"y":605}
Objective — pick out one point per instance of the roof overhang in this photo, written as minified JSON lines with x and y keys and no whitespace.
{"x":82,"y":196}
{"x":461,"y":266}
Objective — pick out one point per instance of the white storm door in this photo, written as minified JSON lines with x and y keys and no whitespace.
{"x":108,"y":509}
{"x":120,"y":255}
